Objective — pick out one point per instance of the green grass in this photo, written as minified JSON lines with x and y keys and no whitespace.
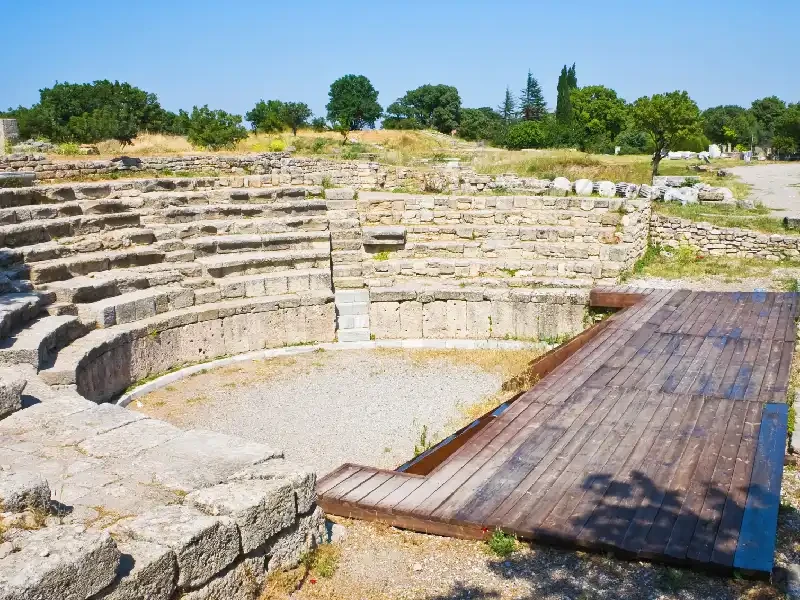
{"x":686,"y":263}
{"x":384,"y":255}
{"x":725,"y":215}
{"x":502,"y":544}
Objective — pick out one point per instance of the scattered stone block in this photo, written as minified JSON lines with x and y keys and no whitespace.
{"x":562,"y":184}
{"x":606,"y":189}
{"x":259,"y":508}
{"x":23,"y":490}
{"x":11,"y":386}
{"x":63,"y":562}
{"x":303,"y":481}
{"x":584,"y":187}
{"x":203,"y":545}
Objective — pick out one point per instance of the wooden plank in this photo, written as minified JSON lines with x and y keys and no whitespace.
{"x":356,"y":479}
{"x":368,"y":486}
{"x":702,"y":544}
{"x":781,"y":386}
{"x":756,"y":545}
{"x":728,"y":532}
{"x":770,"y":381}
{"x":658,"y":486}
{"x":698,"y":442}
{"x":335,"y":477}
{"x":686,"y":519}
{"x":375,"y":497}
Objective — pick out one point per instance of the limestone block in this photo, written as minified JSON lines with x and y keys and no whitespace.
{"x":584,"y":187}
{"x":606,"y":189}
{"x":339,"y":194}
{"x":457,"y":319}
{"x":379,"y":294}
{"x":63,"y":562}
{"x":385,"y":319}
{"x":242,"y":582}
{"x":526,"y":319}
{"x":129,"y":440}
{"x":320,"y":323}
{"x":286,"y":549}
{"x":303,"y":481}
{"x":502,"y":319}
{"x":384,"y":236}
{"x":562,"y":184}
{"x":203,"y":545}
{"x":23,"y":490}
{"x":259,"y":508}
{"x":434,"y":319}
{"x":411,"y":319}
{"x":478,"y":320}
{"x":147,"y":571}
{"x":11,"y":386}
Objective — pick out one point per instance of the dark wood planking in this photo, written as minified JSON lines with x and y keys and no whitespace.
{"x":756,"y":542}
{"x":732,"y":514}
{"x":335,"y":477}
{"x":365,"y":488}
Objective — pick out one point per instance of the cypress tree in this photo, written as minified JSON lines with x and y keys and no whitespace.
{"x":531,"y":101}
{"x":563,"y":104}
{"x":506,"y":109}
{"x":572,"y":78}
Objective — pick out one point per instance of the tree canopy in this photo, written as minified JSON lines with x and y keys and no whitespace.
{"x":599,"y":116}
{"x":666,"y":118}
{"x":480,"y":124}
{"x":353,"y":102}
{"x":214,"y":129}
{"x":532,"y":106}
{"x":267,"y":117}
{"x":729,"y":124}
{"x":525,"y":134}
{"x":427,"y":107}
{"x":787,"y":130}
{"x":567,"y":81}
{"x":767,"y":112}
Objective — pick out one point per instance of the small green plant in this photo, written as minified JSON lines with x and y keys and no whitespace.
{"x":323,"y":561}
{"x":509,"y":272}
{"x":501,"y":543}
{"x":383,"y":255}
{"x":277,"y":145}
{"x":318,"y":145}
{"x":424,"y":443}
{"x":327,"y":183}
{"x":68,"y":148}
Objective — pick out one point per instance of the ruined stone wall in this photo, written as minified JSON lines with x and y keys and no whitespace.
{"x":9,"y":133}
{"x":722,"y":241}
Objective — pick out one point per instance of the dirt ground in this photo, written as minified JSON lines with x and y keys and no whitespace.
{"x":775,"y":185}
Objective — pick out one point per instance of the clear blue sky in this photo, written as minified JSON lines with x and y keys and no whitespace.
{"x":230,"y":54}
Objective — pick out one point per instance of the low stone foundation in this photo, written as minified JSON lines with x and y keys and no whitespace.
{"x":722,"y":241}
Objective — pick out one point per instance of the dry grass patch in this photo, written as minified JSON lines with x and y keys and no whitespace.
{"x":725,"y":215}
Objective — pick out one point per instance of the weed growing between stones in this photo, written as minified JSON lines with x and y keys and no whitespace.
{"x":424,"y":443}
{"x":502,"y":544}
{"x":321,"y":562}
{"x":383,"y":255}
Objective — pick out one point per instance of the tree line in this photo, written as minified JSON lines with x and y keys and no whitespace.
{"x":592,"y":118}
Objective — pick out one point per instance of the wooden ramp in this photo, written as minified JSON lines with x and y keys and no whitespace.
{"x":658,"y":434}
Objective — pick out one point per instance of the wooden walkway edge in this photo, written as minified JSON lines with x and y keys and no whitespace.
{"x":658,"y":434}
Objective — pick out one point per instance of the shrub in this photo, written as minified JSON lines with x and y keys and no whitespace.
{"x":525,"y":134}
{"x":214,"y":129}
{"x":501,"y":543}
{"x":318,"y":145}
{"x":68,"y":148}
{"x":318,"y":124}
{"x":277,"y":145}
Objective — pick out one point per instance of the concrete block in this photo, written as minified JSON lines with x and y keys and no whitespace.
{"x":353,"y":335}
{"x":356,"y":308}
{"x":456,"y":318}
{"x":434,"y":319}
{"x":351,"y":296}
{"x":385,"y":319}
{"x":410,"y":319}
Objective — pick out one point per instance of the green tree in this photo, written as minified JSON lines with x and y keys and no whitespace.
{"x":532,"y":106}
{"x":318,"y":124}
{"x":567,"y":81}
{"x":666,"y":118}
{"x":766,"y":112}
{"x":599,"y":116}
{"x":507,"y":109}
{"x":354,"y":101}
{"x":214,"y":129}
{"x":729,"y":124}
{"x":787,"y":130}
{"x":525,"y":134}
{"x":481,"y":124}
{"x":429,"y":106}
{"x":295,"y":115}
{"x":267,"y":117}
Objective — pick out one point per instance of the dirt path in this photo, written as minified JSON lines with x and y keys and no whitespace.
{"x":776,"y":186}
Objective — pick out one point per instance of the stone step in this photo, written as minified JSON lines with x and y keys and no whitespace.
{"x":55,"y":270}
{"x":208,"y":227}
{"x":517,"y":282}
{"x":22,"y":214}
{"x":19,"y":308}
{"x":501,"y":267}
{"x":273,"y":284}
{"x":571,"y":249}
{"x":353,"y":335}
{"x":251,"y":263}
{"x":34,"y":232}
{"x":111,"y":240}
{"x":65,"y":368}
{"x":135,"y":306}
{"x":220,"y":244}
{"x":541,"y":230}
{"x":35,"y":343}
{"x":105,"y":284}
{"x":185,"y":214}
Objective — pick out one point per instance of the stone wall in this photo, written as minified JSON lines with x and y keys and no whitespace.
{"x":9,"y":132}
{"x":722,"y":241}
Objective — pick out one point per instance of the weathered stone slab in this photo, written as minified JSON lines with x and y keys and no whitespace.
{"x":384,"y":236}
{"x":286,"y":549}
{"x":11,"y":386}
{"x":259,"y":508}
{"x":302,"y":480}
{"x":146,"y":572}
{"x":23,"y":490}
{"x":203,"y":545}
{"x":244,"y":581}
{"x":62,"y":562}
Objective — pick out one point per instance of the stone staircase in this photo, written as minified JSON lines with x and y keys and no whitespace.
{"x":89,"y":277}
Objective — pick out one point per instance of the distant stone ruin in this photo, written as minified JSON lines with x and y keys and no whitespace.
{"x":9,"y":133}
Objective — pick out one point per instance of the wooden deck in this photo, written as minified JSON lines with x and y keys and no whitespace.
{"x":660,"y":435}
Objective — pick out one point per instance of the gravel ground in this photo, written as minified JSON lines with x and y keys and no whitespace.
{"x":327,"y":408}
{"x":775,"y":282}
{"x":774,"y":185}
